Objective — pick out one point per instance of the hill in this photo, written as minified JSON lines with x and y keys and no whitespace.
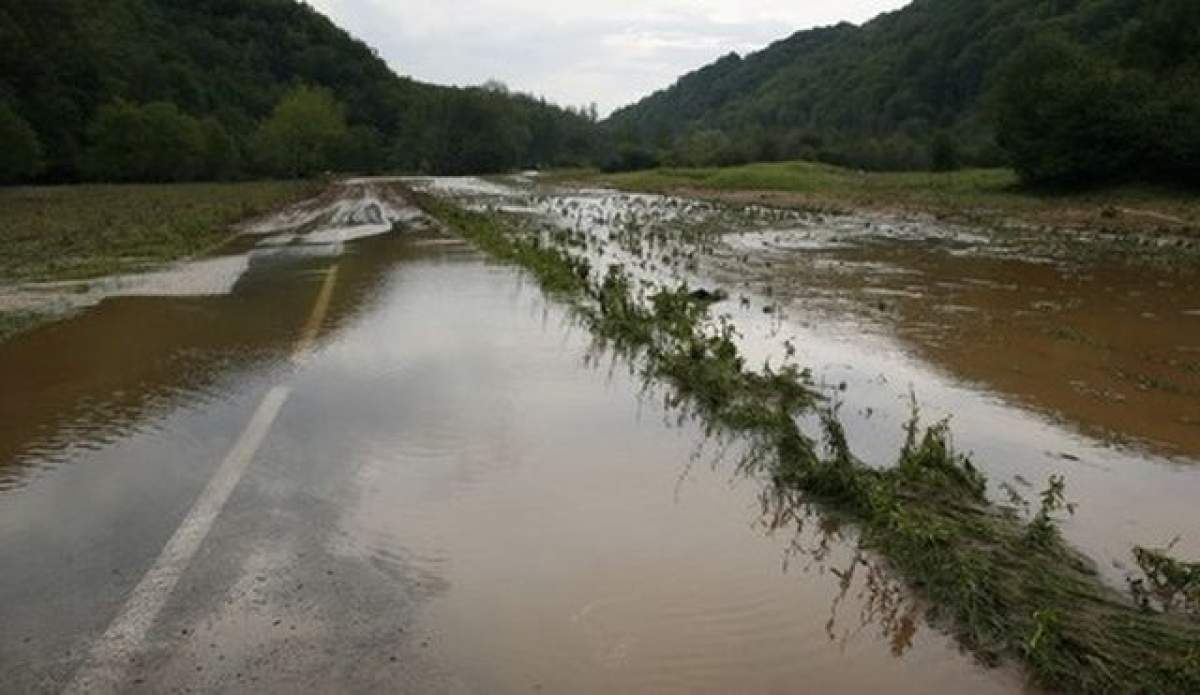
{"x":925,"y":87}
{"x":89,"y":87}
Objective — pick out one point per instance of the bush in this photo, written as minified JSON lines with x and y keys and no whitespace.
{"x":219,"y":155}
{"x":20,"y":151}
{"x":303,"y":135}
{"x":153,"y":142}
{"x":1070,"y":118}
{"x":630,"y":158}
{"x":944,"y":153}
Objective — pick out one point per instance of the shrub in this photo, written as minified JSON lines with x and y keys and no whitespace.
{"x":21,"y":156}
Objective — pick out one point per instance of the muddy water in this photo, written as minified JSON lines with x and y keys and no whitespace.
{"x":1043,"y":365}
{"x":1106,"y":347}
{"x":575,"y":541}
{"x":459,"y":495}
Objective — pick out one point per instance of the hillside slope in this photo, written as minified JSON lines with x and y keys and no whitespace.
{"x":892,"y":93}
{"x":233,"y":60}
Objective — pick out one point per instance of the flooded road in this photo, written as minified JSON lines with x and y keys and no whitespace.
{"x":375,"y":461}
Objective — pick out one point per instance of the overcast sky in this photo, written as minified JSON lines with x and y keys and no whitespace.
{"x":574,"y":52}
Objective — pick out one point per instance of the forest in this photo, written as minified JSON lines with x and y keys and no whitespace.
{"x":1067,"y":92}
{"x":171,"y":90}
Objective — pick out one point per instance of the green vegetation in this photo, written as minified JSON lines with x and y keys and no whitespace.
{"x":105,"y":90}
{"x":79,"y":232}
{"x":303,"y":133}
{"x":1069,"y":93}
{"x":57,"y":233}
{"x":1009,"y":588}
{"x":1072,"y":115}
{"x":157,"y":142}
{"x":810,"y":177}
{"x":978,"y":196}
{"x":22,"y":151}
{"x":947,"y":82}
{"x":1167,"y":584}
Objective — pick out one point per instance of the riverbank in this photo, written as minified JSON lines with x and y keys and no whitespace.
{"x":985,"y":197}
{"x":79,"y":232}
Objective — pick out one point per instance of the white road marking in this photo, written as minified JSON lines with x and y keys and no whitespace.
{"x":308,"y":336}
{"x":105,"y":667}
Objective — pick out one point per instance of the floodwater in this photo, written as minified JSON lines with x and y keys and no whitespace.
{"x":1043,"y":365}
{"x":457,"y":494}
{"x":1110,"y":348}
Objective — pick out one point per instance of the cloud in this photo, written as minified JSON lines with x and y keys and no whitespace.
{"x":612,"y":52}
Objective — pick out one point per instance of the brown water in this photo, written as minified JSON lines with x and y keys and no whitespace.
{"x":1044,"y":366}
{"x":1108,"y":347}
{"x":458,"y":495}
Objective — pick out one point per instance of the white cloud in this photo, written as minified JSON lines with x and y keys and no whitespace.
{"x":612,"y":52}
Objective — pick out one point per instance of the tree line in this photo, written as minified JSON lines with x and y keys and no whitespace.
{"x":170,"y":90}
{"x":1069,"y":92}
{"x":1069,"y":114}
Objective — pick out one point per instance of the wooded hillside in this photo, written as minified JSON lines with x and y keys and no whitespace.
{"x":181,"y":89}
{"x":1064,"y":89}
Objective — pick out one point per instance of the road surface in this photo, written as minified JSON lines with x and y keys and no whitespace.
{"x":377,"y":462}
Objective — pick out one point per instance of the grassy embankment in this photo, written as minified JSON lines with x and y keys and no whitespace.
{"x":1007,"y":585}
{"x":79,"y":232}
{"x":979,"y":196}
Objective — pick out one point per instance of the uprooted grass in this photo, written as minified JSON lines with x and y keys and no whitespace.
{"x":1006,"y":587}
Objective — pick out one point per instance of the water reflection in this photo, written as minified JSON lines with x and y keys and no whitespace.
{"x":445,"y":446}
{"x":180,"y":339}
{"x":1037,"y":358}
{"x":577,"y":544}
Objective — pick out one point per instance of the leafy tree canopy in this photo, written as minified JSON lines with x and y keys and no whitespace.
{"x":96,"y":80}
{"x":1076,"y":91}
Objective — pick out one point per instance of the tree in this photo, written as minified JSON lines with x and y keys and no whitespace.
{"x":362,"y":150}
{"x":303,"y":134}
{"x":1175,"y":129}
{"x":219,"y":157}
{"x":118,"y":149}
{"x":1068,"y":118}
{"x":943,"y":153}
{"x":173,"y":143}
{"x":20,"y":151}
{"x":64,"y":61}
{"x":484,"y":134}
{"x":152,"y":142}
